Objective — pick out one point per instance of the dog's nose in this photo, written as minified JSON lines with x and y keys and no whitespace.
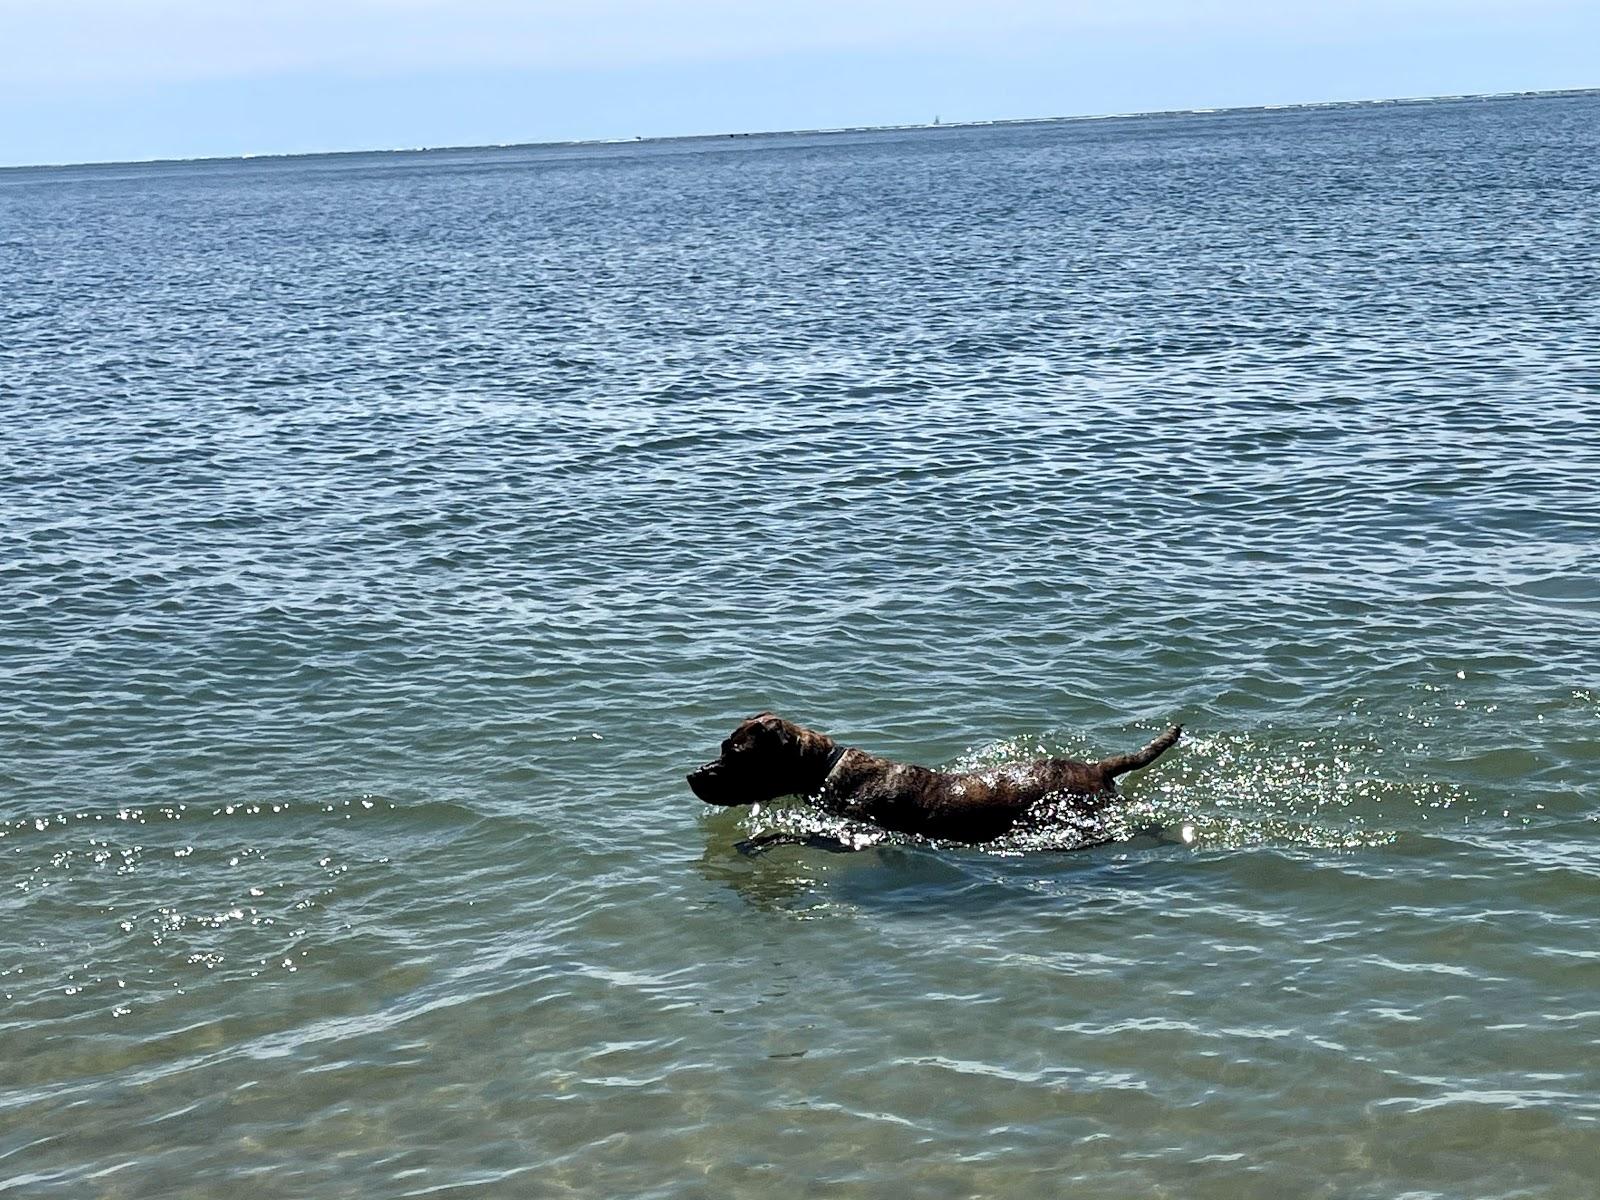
{"x":698,"y":780}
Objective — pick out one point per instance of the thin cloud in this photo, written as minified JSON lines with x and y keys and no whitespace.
{"x":55,"y":45}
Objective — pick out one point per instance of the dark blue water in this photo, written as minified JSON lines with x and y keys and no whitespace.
{"x":385,"y":535}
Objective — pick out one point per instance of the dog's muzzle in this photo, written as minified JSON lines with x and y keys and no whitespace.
{"x":710,"y":783}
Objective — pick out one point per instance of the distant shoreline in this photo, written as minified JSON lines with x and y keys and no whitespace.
{"x":1235,"y":110}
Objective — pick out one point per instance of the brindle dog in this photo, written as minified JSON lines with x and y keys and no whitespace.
{"x":767,"y":757}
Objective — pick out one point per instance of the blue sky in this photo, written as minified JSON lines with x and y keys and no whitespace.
{"x":95,"y":80}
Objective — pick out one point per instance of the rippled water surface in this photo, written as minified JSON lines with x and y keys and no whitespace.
{"x":385,"y":536}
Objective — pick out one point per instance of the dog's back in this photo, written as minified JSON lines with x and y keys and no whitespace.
{"x":976,"y":806}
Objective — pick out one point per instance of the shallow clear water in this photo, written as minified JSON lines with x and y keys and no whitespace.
{"x":386,"y":535}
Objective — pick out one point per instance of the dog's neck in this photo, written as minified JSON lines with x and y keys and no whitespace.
{"x":832,"y":763}
{"x":821,"y":754}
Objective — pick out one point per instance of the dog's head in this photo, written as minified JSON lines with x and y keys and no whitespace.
{"x":764,"y":758}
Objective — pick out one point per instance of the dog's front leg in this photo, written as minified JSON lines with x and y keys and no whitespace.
{"x":832,"y":843}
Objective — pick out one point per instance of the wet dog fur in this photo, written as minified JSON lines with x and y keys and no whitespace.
{"x":767,"y":757}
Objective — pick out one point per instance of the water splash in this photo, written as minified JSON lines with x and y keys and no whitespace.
{"x":1224,"y":791}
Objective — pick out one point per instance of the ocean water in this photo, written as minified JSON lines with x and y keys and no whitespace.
{"x":384,"y":536}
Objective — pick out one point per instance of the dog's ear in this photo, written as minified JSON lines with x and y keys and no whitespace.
{"x":768,"y":727}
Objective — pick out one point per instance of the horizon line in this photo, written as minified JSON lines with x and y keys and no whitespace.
{"x":936,"y":123}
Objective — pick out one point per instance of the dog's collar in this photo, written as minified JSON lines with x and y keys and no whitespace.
{"x":833,"y":765}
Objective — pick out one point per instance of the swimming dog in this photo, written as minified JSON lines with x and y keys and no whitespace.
{"x":767,"y":757}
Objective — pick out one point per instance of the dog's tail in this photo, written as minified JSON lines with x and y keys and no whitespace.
{"x":1121,"y":764}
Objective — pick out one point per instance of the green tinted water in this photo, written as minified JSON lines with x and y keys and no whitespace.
{"x":386,"y":536}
